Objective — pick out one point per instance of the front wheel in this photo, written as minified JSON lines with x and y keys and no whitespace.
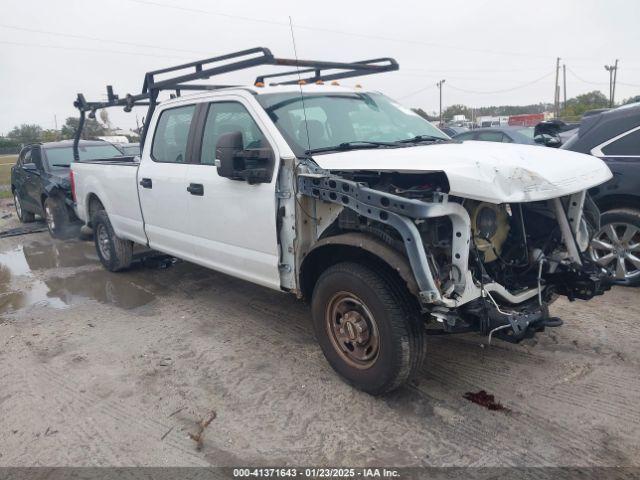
{"x":368,"y":327}
{"x":115,"y":253}
{"x":616,"y":246}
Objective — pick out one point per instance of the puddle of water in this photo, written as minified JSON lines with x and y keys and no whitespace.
{"x":20,"y":288}
{"x":41,"y":256}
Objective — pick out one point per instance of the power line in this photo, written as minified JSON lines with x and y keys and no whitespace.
{"x":503,"y":90}
{"x":417,"y":92}
{"x":600,"y":83}
{"x":339,"y":32}
{"x":93,"y":50}
{"x":579,"y":78}
{"x":98,"y":39}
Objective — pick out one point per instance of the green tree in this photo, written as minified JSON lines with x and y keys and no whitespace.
{"x":423,"y":114}
{"x":26,"y":133}
{"x":452,"y":110}
{"x":582,"y":103}
{"x":91,"y":130}
{"x":8,"y":142}
{"x":50,"y":135}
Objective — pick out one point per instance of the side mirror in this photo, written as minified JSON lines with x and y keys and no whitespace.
{"x":233,"y":161}
{"x":30,"y":167}
{"x":229,"y":145}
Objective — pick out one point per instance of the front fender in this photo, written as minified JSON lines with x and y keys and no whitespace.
{"x":366,"y":243}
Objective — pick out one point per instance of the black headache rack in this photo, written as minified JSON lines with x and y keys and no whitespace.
{"x":204,"y":69}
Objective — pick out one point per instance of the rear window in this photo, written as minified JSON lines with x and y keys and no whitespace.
{"x":63,"y":156}
{"x":172,"y":133}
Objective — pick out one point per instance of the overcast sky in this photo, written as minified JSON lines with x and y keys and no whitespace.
{"x":50,"y":50}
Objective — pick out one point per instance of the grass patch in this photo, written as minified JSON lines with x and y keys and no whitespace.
{"x":6,"y":161}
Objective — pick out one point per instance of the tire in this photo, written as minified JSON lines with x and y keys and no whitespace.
{"x":59,"y":220}
{"x":616,"y":246}
{"x":350,"y":296}
{"x":115,"y":253}
{"x":23,"y":215}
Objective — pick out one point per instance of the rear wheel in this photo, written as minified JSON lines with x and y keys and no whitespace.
{"x":368,"y":327}
{"x":59,"y":220}
{"x":616,"y":246}
{"x":114,"y":253}
{"x":23,"y":215}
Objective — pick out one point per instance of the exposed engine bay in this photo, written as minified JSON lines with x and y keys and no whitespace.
{"x":479,"y":266}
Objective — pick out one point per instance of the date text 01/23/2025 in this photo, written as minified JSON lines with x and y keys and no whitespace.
{"x":315,"y":473}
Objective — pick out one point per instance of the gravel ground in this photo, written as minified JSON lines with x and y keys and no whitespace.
{"x":123,"y":369}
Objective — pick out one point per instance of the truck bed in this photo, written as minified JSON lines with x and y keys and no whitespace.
{"x":116,"y":189}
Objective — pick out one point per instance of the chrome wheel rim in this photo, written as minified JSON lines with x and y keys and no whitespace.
{"x":16,"y":202}
{"x":102,"y":238}
{"x":616,"y":247}
{"x":49,"y":218}
{"x":353,"y":330}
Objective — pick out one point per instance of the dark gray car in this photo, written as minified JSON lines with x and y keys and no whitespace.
{"x":505,"y":134}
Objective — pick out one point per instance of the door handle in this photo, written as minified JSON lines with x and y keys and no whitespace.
{"x":146,"y":183}
{"x":196,"y":189}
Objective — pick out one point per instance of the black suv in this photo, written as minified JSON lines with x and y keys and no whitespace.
{"x":41,"y":186}
{"x":614,"y":136}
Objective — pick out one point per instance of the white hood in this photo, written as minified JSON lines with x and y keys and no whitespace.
{"x":486,"y":171}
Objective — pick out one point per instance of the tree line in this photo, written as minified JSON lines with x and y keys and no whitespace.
{"x":573,"y":110}
{"x":31,"y":133}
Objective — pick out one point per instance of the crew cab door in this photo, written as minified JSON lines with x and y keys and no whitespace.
{"x":161,"y":182}
{"x":232,"y":222}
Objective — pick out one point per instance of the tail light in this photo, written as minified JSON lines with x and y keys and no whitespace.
{"x":73,"y":185}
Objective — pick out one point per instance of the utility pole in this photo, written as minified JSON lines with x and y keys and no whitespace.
{"x":556,"y":90}
{"x":564,"y":85}
{"x":613,"y":90}
{"x":439,"y":85}
{"x":613,"y":73}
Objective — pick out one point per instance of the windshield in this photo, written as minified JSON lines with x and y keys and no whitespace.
{"x":341,"y":118}
{"x":527,"y":132}
{"x":63,"y":156}
{"x":132,"y":149}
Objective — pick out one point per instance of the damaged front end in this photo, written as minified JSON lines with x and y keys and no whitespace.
{"x":477,"y":266}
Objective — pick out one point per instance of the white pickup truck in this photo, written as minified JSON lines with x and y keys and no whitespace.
{"x":344,"y":197}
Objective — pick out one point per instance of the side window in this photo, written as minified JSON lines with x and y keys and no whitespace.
{"x":464,"y":136}
{"x":227,"y":117}
{"x":506,"y":139}
{"x":629,"y":145}
{"x":27,"y":157}
{"x":490,"y":136}
{"x":172,"y":132}
{"x":36,"y":157}
{"x":20,"y":160}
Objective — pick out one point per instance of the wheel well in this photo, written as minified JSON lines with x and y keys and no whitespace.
{"x":373,"y":253}
{"x":615,"y":202}
{"x":93,"y":206}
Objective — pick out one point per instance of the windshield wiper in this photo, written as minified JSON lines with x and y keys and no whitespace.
{"x":351,"y":146}
{"x":60,"y":165}
{"x":423,"y":138}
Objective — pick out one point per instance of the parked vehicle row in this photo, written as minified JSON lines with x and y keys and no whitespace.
{"x":345,"y":198}
{"x":614,"y":136}
{"x":40,"y":182}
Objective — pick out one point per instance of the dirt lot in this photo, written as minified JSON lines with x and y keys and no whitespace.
{"x":118,"y":369}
